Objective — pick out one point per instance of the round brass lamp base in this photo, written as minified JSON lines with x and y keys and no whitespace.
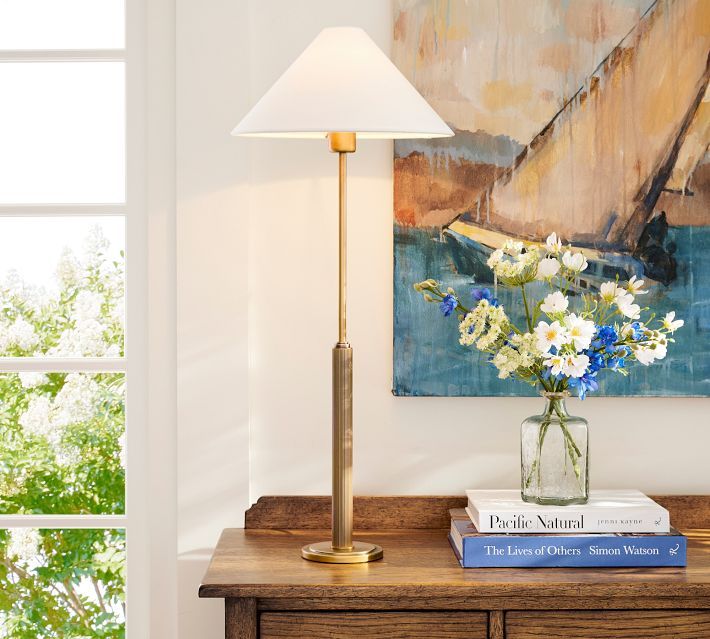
{"x":324,"y":552}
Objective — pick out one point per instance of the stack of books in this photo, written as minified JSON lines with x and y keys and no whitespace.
{"x":615,"y":528}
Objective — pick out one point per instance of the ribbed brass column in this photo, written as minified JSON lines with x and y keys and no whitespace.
{"x":342,"y":447}
{"x":341,"y":549}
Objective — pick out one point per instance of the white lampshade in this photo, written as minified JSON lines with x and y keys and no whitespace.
{"x":342,"y":82}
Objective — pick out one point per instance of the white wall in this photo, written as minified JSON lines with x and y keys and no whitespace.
{"x":402,"y":445}
{"x":257,"y":241}
{"x":212,"y":222}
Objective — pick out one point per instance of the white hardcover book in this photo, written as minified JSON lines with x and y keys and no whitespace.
{"x":607,"y":511}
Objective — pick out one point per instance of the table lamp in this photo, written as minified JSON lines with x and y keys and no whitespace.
{"x":340,"y":88}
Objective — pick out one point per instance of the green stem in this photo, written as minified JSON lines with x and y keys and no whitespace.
{"x":565,"y":431}
{"x":527,"y":309}
{"x":536,"y":465}
{"x":572,"y":449}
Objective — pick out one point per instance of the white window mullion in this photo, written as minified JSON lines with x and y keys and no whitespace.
{"x":63,"y":365}
{"x":64,"y":55}
{"x":63,"y":521}
{"x":70,"y":210}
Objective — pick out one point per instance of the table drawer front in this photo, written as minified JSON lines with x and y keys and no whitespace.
{"x":374,"y":625}
{"x":608,"y":624}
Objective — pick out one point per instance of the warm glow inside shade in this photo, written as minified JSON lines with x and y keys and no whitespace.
{"x":342,"y":82}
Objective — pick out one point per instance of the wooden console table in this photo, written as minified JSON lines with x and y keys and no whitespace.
{"x":418,"y":590}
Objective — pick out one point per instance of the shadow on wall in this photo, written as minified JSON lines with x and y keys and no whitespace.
{"x":198,"y":617}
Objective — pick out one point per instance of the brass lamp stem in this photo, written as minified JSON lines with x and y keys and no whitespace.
{"x":343,"y":245}
{"x":342,"y":548}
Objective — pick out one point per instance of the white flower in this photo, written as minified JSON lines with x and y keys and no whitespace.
{"x":68,"y":269}
{"x":553,"y":244}
{"x":114,"y":350}
{"x":495,"y":258}
{"x":554,"y":303}
{"x":581,"y":331}
{"x":87,"y":305}
{"x":484,"y":317}
{"x":473,"y":324}
{"x":626,"y":305}
{"x":22,"y":334}
{"x":513,"y":247}
{"x":518,"y":355}
{"x":117,"y":312}
{"x":4,"y":339}
{"x":95,"y":246}
{"x":574,"y":261}
{"x":661,"y":349}
{"x":75,"y":401}
{"x":644,"y":355}
{"x":506,"y":361}
{"x":526,"y":345}
{"x":634,"y":286}
{"x":521,"y":269}
{"x":654,"y":346}
{"x":610,"y":291}
{"x":36,"y":419}
{"x":549,"y":335}
{"x":86,"y":339}
{"x":23,"y":546}
{"x":548,"y":267}
{"x":670,"y":323}
{"x":556,"y":363}
{"x":575,"y":365}
{"x":32,"y":380}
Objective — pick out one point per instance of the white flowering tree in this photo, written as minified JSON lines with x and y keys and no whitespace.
{"x":61,"y":451}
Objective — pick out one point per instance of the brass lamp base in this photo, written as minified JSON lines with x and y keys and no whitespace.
{"x":342,"y":549}
{"x":360,"y":553}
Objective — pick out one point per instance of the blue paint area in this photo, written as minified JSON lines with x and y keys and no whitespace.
{"x":428,"y":359}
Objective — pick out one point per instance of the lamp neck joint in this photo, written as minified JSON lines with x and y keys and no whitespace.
{"x":342,"y":142}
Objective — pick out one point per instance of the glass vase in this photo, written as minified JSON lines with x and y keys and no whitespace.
{"x":554,"y":455}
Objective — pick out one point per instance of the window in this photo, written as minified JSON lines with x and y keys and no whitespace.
{"x":71,"y":229}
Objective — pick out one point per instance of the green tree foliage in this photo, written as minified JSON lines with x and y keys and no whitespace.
{"x":62,"y":452}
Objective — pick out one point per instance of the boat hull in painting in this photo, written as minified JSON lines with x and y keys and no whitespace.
{"x":603,"y":265}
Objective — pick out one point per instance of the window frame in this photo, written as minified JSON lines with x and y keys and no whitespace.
{"x":135,"y":362}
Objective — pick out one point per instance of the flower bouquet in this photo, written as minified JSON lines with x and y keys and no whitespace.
{"x":568,"y":338}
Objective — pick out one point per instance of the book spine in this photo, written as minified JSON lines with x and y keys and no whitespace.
{"x":572,"y":520}
{"x":573,"y":551}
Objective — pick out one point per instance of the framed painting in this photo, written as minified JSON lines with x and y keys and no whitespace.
{"x":590,"y":118}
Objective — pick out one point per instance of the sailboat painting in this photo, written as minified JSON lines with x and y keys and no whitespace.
{"x":590,"y":118}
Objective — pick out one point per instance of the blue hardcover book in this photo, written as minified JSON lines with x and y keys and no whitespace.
{"x":595,"y":550}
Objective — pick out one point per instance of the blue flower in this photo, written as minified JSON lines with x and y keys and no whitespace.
{"x":606,"y":336}
{"x":621,"y":351}
{"x":596,"y":360}
{"x":479,"y":294}
{"x":637,"y":333}
{"x":448,"y":305}
{"x":584,"y":384}
{"x":618,"y":358}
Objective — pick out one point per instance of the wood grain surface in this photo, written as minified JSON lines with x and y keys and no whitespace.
{"x":373,"y":625}
{"x":496,"y":624}
{"x":388,"y":512}
{"x":369,"y":513}
{"x":419,"y":564}
{"x":419,"y":589}
{"x":240,"y":619}
{"x":641,"y":624}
